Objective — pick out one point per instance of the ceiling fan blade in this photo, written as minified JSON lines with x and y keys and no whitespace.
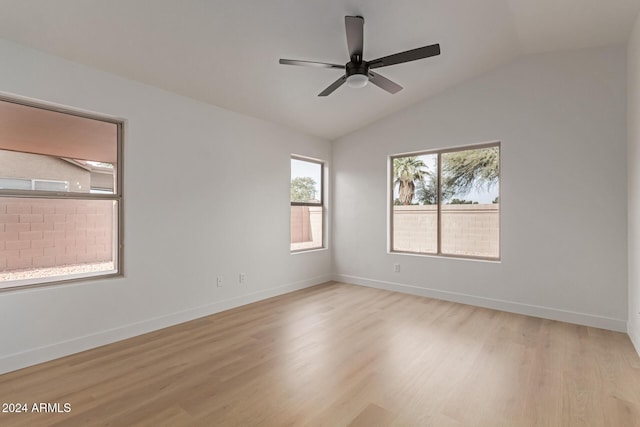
{"x":310,"y":64}
{"x":355,"y":40}
{"x":407,"y":56}
{"x":384,"y":83}
{"x":335,"y":85}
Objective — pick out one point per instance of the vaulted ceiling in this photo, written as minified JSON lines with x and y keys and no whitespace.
{"x":225,"y":52}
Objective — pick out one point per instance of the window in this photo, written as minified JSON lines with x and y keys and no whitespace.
{"x":54,"y":225}
{"x":307,"y":204}
{"x":33,"y":184}
{"x":446,"y":202}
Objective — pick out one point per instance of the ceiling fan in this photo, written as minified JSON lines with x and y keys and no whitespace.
{"x":358,"y":71}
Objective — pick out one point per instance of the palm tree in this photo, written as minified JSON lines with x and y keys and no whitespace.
{"x":408,"y":170}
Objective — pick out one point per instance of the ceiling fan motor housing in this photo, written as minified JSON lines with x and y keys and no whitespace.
{"x":357,"y":68}
{"x":357,"y":74}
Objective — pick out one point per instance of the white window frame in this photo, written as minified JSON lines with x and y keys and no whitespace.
{"x":33,"y":181}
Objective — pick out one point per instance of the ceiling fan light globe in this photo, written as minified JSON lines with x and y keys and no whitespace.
{"x":357,"y":80}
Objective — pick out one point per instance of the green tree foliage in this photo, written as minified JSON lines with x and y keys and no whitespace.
{"x":303,"y":189}
{"x":427,"y":191}
{"x":462,"y":202}
{"x":464,"y":170}
{"x":408,"y":171}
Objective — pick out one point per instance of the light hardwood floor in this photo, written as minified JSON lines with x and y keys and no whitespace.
{"x":344,"y":355}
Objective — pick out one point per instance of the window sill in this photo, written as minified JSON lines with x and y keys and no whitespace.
{"x":306,"y":251}
{"x":21,"y":284}
{"x":453,"y":257}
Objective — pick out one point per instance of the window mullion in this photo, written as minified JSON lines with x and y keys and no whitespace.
{"x":439,"y":202}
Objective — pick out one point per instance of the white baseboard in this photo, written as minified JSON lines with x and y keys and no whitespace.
{"x":602,"y":322}
{"x":37,"y":355}
{"x":634,"y":335}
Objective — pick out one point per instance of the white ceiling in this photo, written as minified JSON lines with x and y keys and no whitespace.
{"x":225,"y":52}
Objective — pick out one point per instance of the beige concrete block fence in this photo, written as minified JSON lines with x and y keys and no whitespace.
{"x":38,"y":233}
{"x":306,"y":227}
{"x":466,"y":229}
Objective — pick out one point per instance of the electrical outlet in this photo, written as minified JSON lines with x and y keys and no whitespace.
{"x":396,"y":268}
{"x":241,"y":278}
{"x":219,"y":281}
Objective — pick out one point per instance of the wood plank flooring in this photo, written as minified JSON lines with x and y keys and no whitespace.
{"x":343,"y":355}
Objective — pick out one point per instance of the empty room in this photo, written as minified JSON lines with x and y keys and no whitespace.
{"x":320,"y":213}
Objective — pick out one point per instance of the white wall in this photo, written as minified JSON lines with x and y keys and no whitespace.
{"x":193,"y":172}
{"x":633,"y":183}
{"x":561,"y":120}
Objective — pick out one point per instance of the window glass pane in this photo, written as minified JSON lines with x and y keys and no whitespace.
{"x":306,"y":227}
{"x":56,"y":239}
{"x":470,"y":196}
{"x":415,"y":212}
{"x":50,"y":173}
{"x":306,"y":181}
